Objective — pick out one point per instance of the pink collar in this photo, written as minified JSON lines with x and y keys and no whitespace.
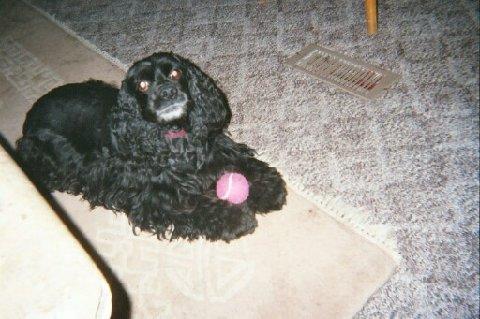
{"x":176,"y":134}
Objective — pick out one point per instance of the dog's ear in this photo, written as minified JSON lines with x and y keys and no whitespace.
{"x":127,"y":92}
{"x":210,"y":113}
{"x":127,"y":100}
{"x":129,"y":96}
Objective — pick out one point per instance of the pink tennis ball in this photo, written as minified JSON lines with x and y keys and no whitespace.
{"x":232,"y":187}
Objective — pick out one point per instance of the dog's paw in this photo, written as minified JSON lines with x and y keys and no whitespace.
{"x":235,"y":224}
{"x":279,"y":195}
{"x":238,"y":231}
{"x":269,"y":195}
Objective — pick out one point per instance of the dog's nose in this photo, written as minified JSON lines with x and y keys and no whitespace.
{"x":169,"y":92}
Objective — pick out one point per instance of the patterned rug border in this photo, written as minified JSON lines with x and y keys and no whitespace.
{"x":357,"y":219}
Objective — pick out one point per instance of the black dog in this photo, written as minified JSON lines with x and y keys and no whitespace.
{"x":153,"y":149}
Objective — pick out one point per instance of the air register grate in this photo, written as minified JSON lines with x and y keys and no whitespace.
{"x":354,"y":76}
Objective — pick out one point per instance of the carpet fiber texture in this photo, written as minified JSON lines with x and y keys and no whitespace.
{"x":410,"y":158}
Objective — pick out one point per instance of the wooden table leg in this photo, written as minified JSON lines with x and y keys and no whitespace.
{"x":371,"y":13}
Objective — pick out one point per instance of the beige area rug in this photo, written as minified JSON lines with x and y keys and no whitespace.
{"x":299,"y":263}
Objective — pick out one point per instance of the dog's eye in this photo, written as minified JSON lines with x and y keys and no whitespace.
{"x":175,"y":74}
{"x":143,"y":86}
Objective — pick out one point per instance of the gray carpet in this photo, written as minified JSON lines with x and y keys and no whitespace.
{"x":411,"y":157}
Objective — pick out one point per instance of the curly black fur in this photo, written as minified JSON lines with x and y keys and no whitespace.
{"x":112,"y":146}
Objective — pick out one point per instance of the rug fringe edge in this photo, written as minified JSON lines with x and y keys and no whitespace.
{"x":358,"y":219}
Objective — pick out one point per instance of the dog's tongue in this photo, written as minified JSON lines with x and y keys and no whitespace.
{"x":176,"y":134}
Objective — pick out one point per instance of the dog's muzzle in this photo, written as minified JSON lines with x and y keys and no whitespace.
{"x":169,"y":104}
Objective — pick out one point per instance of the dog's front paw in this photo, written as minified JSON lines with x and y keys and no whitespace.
{"x":245,"y":227}
{"x":229,"y":235}
{"x":273,"y":197}
{"x":268,"y":194}
{"x":234,"y":223}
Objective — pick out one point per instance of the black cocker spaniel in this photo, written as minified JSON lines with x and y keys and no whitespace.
{"x":153,"y":149}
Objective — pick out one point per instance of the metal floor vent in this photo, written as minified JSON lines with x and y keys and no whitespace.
{"x":354,"y":76}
